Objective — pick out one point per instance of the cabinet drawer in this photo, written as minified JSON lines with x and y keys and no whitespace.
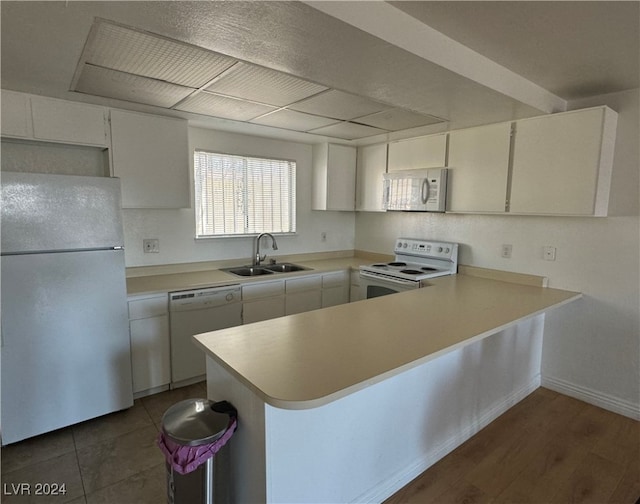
{"x":305,"y":283}
{"x":148,"y":307}
{"x":262,"y":289}
{"x":336,"y":279}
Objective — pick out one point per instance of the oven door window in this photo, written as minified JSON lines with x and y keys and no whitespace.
{"x":379,"y":290}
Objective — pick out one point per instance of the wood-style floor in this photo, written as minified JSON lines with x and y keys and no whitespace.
{"x":549,"y":448}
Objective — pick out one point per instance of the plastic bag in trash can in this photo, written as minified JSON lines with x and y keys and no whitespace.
{"x":185,"y":458}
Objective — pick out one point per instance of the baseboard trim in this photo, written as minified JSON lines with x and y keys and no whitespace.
{"x":594,"y":397}
{"x":388,"y":487}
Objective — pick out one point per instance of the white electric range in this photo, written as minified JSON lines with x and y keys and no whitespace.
{"x":415,"y":262}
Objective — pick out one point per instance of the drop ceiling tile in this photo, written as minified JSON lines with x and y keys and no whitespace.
{"x":348,"y":131}
{"x":223,"y":106}
{"x":259,"y":84}
{"x":292,"y":120}
{"x":334,"y":103}
{"x":397,"y":119}
{"x":140,"y":53}
{"x":123,"y":86}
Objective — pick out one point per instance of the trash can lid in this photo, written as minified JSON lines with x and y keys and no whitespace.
{"x":192,"y":422}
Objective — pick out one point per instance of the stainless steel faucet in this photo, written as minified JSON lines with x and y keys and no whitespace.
{"x":257,"y":259}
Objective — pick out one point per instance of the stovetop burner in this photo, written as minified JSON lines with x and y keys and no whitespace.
{"x":417,"y":260}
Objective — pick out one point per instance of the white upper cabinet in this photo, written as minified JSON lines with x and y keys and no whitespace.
{"x":334,"y":177}
{"x":479,"y":168}
{"x":151,"y":156}
{"x":371,"y":166}
{"x":47,"y":119}
{"x":69,"y":122}
{"x":16,"y":115}
{"x":415,"y":153}
{"x":562,"y":163}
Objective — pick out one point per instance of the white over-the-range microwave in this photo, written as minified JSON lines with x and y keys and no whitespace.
{"x":423,"y":190}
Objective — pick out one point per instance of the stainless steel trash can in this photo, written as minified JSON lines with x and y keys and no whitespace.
{"x":192,"y":432}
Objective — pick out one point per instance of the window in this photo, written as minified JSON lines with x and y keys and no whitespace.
{"x":238,"y":195}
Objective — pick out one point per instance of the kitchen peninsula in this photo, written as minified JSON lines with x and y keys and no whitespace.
{"x":349,"y":403}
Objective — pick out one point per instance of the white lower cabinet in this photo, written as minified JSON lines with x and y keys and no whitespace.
{"x":262,"y":301}
{"x":303,"y":294}
{"x":335,"y":288}
{"x":354,"y":288}
{"x":150,"y":355}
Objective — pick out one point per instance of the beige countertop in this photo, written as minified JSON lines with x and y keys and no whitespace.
{"x":173,"y":280}
{"x":306,"y":360}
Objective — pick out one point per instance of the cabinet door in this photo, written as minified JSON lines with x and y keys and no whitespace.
{"x":150,"y":357}
{"x":68,"y":122}
{"x":151,"y":156}
{"x":262,"y":309}
{"x":333,"y":296}
{"x":562,"y":163}
{"x":16,"y":115}
{"x":479,"y":169}
{"x":334,"y":177}
{"x":303,"y":302}
{"x":415,"y":153}
{"x":371,"y":166}
{"x":303,"y":294}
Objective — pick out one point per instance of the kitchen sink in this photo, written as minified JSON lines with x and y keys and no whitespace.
{"x":284,"y":268}
{"x":269,"y":269}
{"x":248,"y":271}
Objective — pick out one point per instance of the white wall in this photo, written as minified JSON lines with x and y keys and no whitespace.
{"x":176,"y":228}
{"x":591,"y":348}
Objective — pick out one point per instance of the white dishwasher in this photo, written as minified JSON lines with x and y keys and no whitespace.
{"x":195,"y":312}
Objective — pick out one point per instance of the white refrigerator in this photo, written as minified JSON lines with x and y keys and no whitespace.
{"x":65,"y":333}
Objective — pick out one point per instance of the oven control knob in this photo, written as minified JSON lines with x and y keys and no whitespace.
{"x":439,"y":249}
{"x":399,"y":244}
{"x":447,"y":250}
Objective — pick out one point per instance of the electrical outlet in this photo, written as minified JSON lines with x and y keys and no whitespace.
{"x":549,"y":253}
{"x":151,"y":245}
{"x":506,"y":250}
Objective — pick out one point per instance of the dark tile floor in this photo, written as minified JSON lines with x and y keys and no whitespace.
{"x":111,"y":459}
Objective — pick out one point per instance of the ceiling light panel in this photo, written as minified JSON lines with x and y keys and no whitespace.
{"x":348,"y":131}
{"x":223,"y":106}
{"x":334,"y":103}
{"x":123,"y":86}
{"x":140,"y":53}
{"x":290,"y":119}
{"x":398,"y":119}
{"x":259,"y":84}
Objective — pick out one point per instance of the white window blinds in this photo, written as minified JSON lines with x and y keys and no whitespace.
{"x":236,"y":195}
